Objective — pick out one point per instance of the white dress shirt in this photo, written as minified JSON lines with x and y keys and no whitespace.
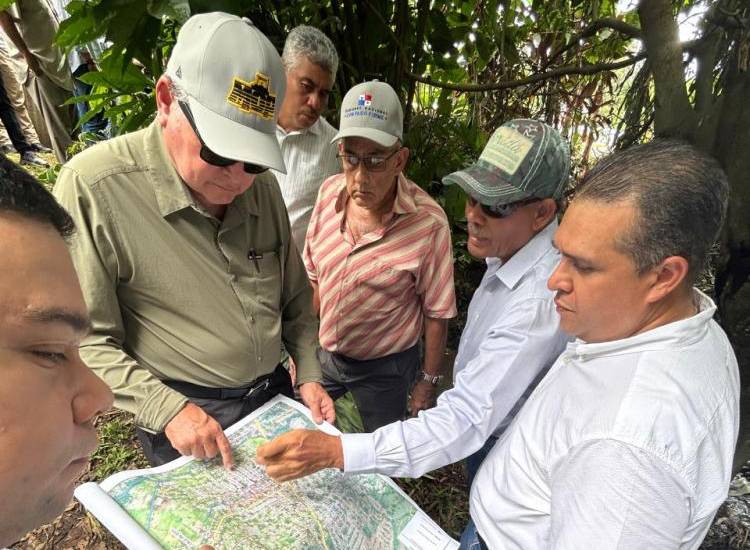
{"x":511,"y":338}
{"x":310,"y":159}
{"x":624,"y":444}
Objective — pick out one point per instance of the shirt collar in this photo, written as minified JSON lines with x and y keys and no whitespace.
{"x":316,"y":129}
{"x":171,"y":192}
{"x":682,"y":332}
{"x":404,"y":202}
{"x":512,"y":271}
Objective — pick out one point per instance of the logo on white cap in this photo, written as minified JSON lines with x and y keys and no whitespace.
{"x":253,"y":97}
{"x":364,"y":107}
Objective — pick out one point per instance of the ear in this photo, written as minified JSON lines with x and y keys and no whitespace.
{"x":403,"y":158}
{"x":543,"y":214}
{"x":666,"y":277}
{"x":164,"y":100}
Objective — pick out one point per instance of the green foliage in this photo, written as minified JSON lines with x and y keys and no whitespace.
{"x":117,"y":450}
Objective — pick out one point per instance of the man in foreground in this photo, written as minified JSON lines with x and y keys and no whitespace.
{"x":49,"y":398}
{"x":379,"y":258}
{"x":185,"y":254}
{"x":310,"y":61}
{"x":512,"y":332}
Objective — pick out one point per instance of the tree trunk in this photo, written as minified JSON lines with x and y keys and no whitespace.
{"x":732,"y":148}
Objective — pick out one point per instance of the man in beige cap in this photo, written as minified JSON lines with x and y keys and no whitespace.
{"x":184,"y":249}
{"x":378,"y":254}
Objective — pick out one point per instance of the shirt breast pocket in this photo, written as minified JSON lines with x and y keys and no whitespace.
{"x":382,"y":287}
{"x":269,"y":277}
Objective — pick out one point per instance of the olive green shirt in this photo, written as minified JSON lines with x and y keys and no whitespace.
{"x":172,"y":291}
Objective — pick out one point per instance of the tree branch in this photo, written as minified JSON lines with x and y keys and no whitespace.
{"x":591,"y":30}
{"x":554,"y":73}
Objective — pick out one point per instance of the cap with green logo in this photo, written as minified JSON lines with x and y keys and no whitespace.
{"x":524,"y":158}
{"x":235,"y":84}
{"x":372,"y":110}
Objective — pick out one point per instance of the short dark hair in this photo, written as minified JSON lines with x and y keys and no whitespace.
{"x":680,"y":194}
{"x":22,"y":194}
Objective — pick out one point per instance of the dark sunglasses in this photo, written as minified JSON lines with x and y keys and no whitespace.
{"x":501,"y":210}
{"x":208,"y":155}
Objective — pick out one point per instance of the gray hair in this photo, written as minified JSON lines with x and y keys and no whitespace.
{"x":680,"y":195}
{"x":308,"y":42}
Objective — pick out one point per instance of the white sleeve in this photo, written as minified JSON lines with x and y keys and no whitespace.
{"x":608,"y":494}
{"x":512,"y":354}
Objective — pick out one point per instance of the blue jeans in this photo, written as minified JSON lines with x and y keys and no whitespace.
{"x":470,"y":539}
{"x":473,"y":462}
{"x":97,"y":123}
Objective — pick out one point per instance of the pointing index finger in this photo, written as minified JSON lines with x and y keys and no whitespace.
{"x":226,"y":451}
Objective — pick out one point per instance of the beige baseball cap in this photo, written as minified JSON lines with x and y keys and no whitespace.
{"x":373,"y":111}
{"x":235,"y":84}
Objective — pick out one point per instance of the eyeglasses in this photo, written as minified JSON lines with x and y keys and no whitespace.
{"x":501,"y":210}
{"x":208,"y":155}
{"x":374,"y":163}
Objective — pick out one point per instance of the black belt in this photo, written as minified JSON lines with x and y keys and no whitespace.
{"x":262,"y":383}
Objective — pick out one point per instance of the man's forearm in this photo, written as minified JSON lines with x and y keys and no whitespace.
{"x":435,"y":335}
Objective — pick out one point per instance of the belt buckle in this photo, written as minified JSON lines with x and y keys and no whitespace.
{"x":260,"y":386}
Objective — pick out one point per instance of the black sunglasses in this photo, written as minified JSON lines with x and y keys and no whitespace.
{"x":500,"y":210}
{"x":208,"y":155}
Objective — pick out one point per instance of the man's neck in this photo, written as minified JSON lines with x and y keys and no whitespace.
{"x":678,"y":305}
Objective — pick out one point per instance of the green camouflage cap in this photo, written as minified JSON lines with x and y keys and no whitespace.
{"x":524,"y":158}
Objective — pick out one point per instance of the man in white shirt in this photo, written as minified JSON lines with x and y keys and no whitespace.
{"x":628,"y":440}
{"x":311,"y":61}
{"x":512,"y":333}
{"x":49,"y":397}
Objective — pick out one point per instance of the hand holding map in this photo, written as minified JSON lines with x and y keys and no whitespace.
{"x":300,"y":453}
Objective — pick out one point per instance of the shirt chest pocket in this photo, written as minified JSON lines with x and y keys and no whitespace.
{"x":267,"y":270}
{"x":383,"y":286}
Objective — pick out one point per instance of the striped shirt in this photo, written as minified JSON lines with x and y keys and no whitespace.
{"x":310,"y":159}
{"x":375,"y":293}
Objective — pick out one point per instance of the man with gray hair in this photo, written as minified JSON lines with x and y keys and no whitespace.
{"x":310,"y":61}
{"x":185,"y":253}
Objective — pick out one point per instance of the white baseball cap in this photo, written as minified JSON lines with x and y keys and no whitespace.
{"x":373,"y":111}
{"x":235,"y":84}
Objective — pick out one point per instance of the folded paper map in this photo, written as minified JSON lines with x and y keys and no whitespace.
{"x":189,"y":502}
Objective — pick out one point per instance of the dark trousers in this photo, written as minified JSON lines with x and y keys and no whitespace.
{"x":226,"y":406}
{"x":379,"y":386}
{"x":10,"y":121}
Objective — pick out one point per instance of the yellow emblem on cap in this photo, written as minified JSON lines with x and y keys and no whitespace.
{"x":253,"y":97}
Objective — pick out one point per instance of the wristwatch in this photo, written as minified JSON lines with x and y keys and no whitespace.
{"x":433,"y":379}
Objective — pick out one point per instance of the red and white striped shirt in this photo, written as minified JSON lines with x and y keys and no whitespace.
{"x":375,"y":293}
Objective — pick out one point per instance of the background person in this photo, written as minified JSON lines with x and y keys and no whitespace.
{"x":310,"y":61}
{"x":378,"y":254}
{"x":32,"y":27}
